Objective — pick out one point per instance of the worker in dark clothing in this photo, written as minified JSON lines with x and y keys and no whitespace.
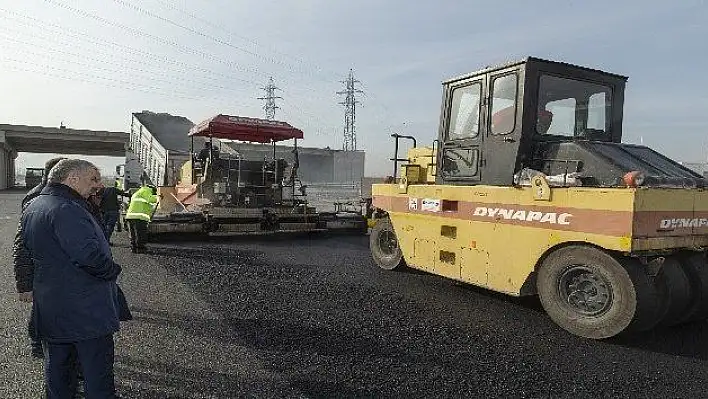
{"x":208,"y":152}
{"x":203,"y":154}
{"x":23,"y":265}
{"x":110,"y":207}
{"x":94,"y":207}
{"x":294,"y":169}
{"x":76,"y":295}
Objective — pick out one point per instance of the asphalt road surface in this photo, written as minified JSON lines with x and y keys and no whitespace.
{"x":310,"y":317}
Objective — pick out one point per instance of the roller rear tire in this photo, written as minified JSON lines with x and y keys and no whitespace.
{"x":696,"y":269}
{"x":674,"y":281}
{"x":589,"y":293}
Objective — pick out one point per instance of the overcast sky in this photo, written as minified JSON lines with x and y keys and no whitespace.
{"x":90,"y":63}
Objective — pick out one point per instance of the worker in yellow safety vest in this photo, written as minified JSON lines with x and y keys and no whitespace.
{"x":140,"y":210}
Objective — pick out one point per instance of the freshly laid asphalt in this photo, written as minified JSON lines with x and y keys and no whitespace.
{"x":311,"y":316}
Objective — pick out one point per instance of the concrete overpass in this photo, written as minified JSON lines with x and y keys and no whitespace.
{"x":39,"y":139}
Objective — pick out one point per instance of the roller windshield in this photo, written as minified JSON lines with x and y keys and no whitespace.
{"x":573,"y":108}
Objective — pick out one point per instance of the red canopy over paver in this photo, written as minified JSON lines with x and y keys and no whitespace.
{"x":245,"y":129}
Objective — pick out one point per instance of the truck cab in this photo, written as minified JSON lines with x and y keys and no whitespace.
{"x":539,"y":116}
{"x":493,"y":121}
{"x":33,"y":176}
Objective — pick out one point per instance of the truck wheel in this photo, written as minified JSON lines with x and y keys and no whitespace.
{"x":696,"y":269}
{"x":384,"y":245}
{"x":591,"y":294}
{"x":673,"y":280}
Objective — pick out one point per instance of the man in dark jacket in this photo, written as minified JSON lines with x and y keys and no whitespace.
{"x":94,"y":207}
{"x":38,"y":188}
{"x":110,"y":207}
{"x":75,"y":290}
{"x":24,"y":268}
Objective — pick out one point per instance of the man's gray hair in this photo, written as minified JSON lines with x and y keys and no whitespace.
{"x":61,"y":171}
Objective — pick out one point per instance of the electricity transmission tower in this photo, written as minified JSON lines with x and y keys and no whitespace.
{"x":349,"y":104}
{"x":270,"y":98}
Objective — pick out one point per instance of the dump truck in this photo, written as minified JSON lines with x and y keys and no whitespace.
{"x":529,"y":190}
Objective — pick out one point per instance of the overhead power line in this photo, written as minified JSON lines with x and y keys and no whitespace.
{"x":161,"y":40}
{"x":302,"y":62}
{"x":165,"y":61}
{"x":123,"y":67}
{"x":137,"y":32}
{"x":195,"y":31}
{"x":76,"y":76}
{"x":318,"y":125}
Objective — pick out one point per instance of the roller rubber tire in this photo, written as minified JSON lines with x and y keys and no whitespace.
{"x":675,"y":282}
{"x":634,"y":299}
{"x":696,"y":268}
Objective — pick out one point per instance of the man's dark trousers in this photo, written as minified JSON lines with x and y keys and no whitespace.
{"x":138,"y":233}
{"x":110,"y":218}
{"x":96,"y":358}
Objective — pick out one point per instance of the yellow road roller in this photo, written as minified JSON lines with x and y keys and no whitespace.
{"x":529,"y":190}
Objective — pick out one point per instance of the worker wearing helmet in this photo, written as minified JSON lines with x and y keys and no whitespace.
{"x":142,"y":205}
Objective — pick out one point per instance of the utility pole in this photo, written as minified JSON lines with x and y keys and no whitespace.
{"x":270,"y":98}
{"x":349,"y":104}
